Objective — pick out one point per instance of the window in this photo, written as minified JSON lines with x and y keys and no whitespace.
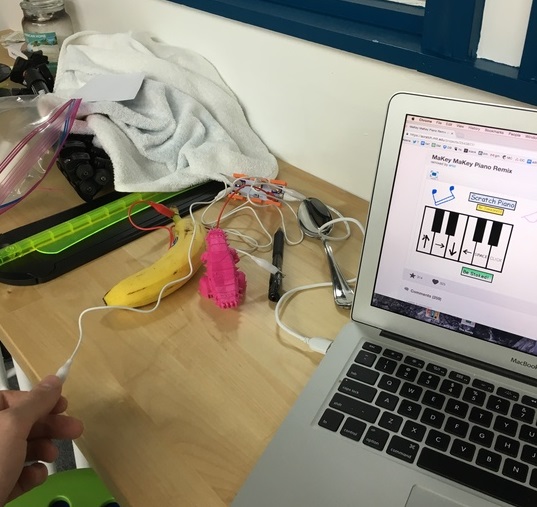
{"x":421,"y":3}
{"x":437,"y":37}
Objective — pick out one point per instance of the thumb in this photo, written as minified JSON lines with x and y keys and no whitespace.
{"x":40,"y":400}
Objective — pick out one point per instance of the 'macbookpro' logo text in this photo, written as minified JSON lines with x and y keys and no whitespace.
{"x":524,"y":363}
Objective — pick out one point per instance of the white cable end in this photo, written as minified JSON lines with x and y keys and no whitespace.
{"x":320,"y":345}
{"x":64,"y":371}
{"x":292,"y":195}
{"x":265,"y":265}
{"x":223,"y":193}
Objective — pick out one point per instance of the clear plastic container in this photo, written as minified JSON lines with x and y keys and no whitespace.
{"x":46,"y":25}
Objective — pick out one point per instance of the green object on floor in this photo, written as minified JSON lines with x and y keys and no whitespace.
{"x":73,"y":488}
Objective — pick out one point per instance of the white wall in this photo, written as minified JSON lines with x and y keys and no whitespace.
{"x":505,"y":23}
{"x":315,"y":107}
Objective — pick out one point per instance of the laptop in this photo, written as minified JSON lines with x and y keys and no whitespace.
{"x":428,"y":396}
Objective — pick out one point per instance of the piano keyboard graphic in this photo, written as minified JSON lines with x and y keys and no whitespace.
{"x":464,"y":238}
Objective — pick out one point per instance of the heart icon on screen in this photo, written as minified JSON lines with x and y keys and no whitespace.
{"x":435,"y":281}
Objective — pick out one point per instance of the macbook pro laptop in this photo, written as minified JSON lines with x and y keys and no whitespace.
{"x":428,"y":396}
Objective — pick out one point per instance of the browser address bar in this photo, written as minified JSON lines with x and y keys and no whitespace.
{"x":440,"y":138}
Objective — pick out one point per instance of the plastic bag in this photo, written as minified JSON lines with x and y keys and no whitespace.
{"x":30,"y":128}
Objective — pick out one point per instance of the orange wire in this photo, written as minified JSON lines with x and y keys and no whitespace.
{"x":139,"y":227}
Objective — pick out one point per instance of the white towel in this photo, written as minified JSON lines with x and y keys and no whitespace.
{"x":184,"y":127}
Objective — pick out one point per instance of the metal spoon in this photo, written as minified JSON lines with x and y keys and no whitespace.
{"x":312,"y":214}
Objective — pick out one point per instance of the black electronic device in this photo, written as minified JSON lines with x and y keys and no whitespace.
{"x":36,"y":267}
{"x":87,"y":168}
{"x":5,"y":71}
{"x":33,"y":72}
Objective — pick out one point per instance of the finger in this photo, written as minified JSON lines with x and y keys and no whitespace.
{"x":30,"y":477}
{"x":61,"y":427}
{"x":3,"y":399}
{"x":42,"y":449}
{"x":39,"y":401}
{"x":61,"y":406}
{"x":14,"y":398}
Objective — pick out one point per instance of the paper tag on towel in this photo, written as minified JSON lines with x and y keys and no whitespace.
{"x":111,"y":88}
{"x":15,"y":51}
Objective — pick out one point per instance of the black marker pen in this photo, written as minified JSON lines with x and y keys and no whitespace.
{"x":275,"y":281}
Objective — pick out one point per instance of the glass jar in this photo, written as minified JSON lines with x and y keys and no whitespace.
{"x":45,"y":25}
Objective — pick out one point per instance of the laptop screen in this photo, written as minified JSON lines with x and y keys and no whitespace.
{"x":459,"y":249}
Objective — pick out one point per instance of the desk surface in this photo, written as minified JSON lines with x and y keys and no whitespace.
{"x":179,"y":404}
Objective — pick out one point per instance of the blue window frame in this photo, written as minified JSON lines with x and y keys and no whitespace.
{"x":440,"y":40}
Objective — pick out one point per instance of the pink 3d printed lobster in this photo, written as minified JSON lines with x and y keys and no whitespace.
{"x":222,"y":281}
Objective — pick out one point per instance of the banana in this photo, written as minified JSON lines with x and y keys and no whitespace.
{"x":142,"y":288}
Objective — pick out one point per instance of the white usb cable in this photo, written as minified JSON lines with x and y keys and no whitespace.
{"x":316,"y":343}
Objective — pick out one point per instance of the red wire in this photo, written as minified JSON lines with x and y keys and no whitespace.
{"x":139,"y":227}
{"x":268,"y":194}
{"x":229,"y":197}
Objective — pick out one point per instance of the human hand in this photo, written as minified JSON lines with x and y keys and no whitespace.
{"x":28,"y":423}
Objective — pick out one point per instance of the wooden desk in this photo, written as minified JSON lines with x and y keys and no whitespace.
{"x":179,"y":404}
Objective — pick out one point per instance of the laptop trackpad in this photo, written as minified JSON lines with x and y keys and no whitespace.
{"x":420,"y":497}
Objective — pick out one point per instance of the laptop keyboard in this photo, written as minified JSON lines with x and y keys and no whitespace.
{"x":465,"y":429}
